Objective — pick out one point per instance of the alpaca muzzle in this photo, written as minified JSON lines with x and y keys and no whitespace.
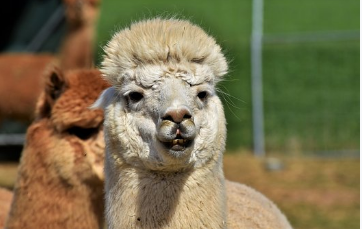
{"x":176,"y":136}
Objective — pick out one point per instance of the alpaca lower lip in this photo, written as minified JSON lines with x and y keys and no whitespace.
{"x":177,"y":148}
{"x":178,"y":144}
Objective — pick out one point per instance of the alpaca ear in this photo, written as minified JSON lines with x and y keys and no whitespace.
{"x":104,"y":99}
{"x":55,"y":84}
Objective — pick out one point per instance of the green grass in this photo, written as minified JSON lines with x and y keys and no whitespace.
{"x":293,"y":16}
{"x":311,"y":95}
{"x":311,"y":89}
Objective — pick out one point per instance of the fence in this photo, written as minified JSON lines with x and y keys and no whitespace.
{"x":310,"y":93}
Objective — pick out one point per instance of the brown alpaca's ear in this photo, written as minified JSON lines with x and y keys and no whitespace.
{"x":55,"y":84}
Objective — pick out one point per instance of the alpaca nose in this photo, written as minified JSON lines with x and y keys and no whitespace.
{"x":177,"y":115}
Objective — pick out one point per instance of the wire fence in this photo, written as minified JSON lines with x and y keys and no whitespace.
{"x":311,"y":93}
{"x":307,"y":101}
{"x":318,"y":36}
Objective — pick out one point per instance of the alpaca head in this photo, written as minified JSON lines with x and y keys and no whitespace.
{"x":66,"y":129}
{"x":81,"y":12}
{"x":162,"y":111}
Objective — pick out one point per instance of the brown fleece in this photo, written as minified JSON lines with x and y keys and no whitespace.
{"x":247,"y":208}
{"x":77,"y":48}
{"x":5,"y":201}
{"x":21,"y":84}
{"x":60,"y":178}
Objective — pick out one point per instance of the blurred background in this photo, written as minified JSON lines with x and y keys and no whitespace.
{"x":309,"y":97}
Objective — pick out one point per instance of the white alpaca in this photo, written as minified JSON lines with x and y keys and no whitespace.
{"x":165,"y":134}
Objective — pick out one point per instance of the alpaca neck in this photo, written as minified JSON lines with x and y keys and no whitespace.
{"x":137,"y":198}
{"x":43,"y":198}
{"x":54,"y":205}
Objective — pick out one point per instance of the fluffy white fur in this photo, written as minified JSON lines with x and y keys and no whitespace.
{"x":163,"y":75}
{"x":167,"y":43}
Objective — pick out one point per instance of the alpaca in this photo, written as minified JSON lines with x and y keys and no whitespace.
{"x":165,"y":134}
{"x":60,"y":177}
{"x":77,"y":47}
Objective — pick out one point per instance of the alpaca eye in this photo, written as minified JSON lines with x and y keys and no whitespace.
{"x":135,"y":96}
{"x":202,"y":95}
{"x":82,"y":133}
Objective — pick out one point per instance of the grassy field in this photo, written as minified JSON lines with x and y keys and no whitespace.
{"x":313,"y":105}
{"x":310,"y":89}
{"x":313,"y":193}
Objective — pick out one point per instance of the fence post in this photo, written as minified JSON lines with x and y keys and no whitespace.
{"x":256,"y":74}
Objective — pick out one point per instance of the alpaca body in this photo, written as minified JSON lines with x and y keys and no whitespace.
{"x":47,"y":194}
{"x":77,"y":46}
{"x":149,"y":199}
{"x":247,"y":208}
{"x":21,"y":84}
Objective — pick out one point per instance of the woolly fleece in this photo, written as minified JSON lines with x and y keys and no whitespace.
{"x":60,"y":178}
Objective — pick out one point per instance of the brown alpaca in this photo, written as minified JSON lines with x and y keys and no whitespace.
{"x":21,"y":84}
{"x":77,"y":48}
{"x":60,"y":178}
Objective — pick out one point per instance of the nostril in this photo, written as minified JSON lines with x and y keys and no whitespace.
{"x":187,"y":116}
{"x":168,"y":117}
{"x":177,"y":115}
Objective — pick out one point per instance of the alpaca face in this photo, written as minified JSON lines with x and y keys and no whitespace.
{"x":165,"y":118}
{"x":67,"y":130}
{"x":162,"y":112}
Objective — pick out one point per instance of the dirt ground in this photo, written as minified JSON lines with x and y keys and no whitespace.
{"x":313,"y":193}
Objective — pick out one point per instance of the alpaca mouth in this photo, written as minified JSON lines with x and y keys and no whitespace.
{"x":178,"y":144}
{"x":176,"y":137}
